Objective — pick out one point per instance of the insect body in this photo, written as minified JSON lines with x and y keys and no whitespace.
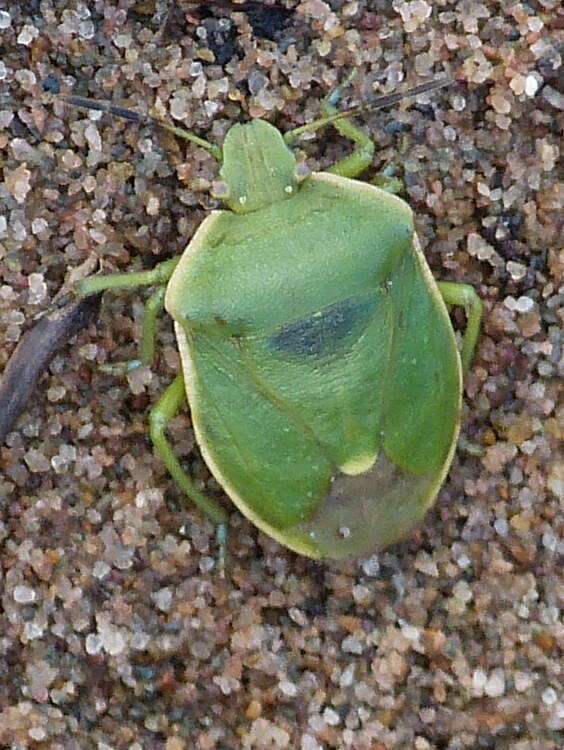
{"x":318,"y":359}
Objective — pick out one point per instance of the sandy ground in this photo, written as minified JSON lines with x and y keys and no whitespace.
{"x":115,"y":629}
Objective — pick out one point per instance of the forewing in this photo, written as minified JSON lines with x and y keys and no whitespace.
{"x":267,"y":461}
{"x":329,"y":369}
{"x":280,"y":415}
{"x":423,"y":396}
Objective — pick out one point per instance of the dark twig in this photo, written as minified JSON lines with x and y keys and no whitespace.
{"x":35,"y":350}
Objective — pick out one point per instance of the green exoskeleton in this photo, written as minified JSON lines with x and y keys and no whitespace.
{"x":318,"y":358}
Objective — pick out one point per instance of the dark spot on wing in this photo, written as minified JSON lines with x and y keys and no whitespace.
{"x":323,"y":332}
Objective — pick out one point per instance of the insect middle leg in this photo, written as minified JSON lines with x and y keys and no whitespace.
{"x":465,"y":295}
{"x":154,"y":305}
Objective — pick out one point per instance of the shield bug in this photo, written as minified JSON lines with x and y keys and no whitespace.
{"x":318,"y":359}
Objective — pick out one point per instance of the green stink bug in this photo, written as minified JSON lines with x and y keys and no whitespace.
{"x":318,"y":358}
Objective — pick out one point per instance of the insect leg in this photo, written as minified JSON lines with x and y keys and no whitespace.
{"x":160,"y":415}
{"x":158,"y":275}
{"x":465,"y":295}
{"x":363,"y":152}
{"x":152,"y":309}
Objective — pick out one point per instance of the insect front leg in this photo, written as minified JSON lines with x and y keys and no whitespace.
{"x":361,"y":158}
{"x":363,"y":152}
